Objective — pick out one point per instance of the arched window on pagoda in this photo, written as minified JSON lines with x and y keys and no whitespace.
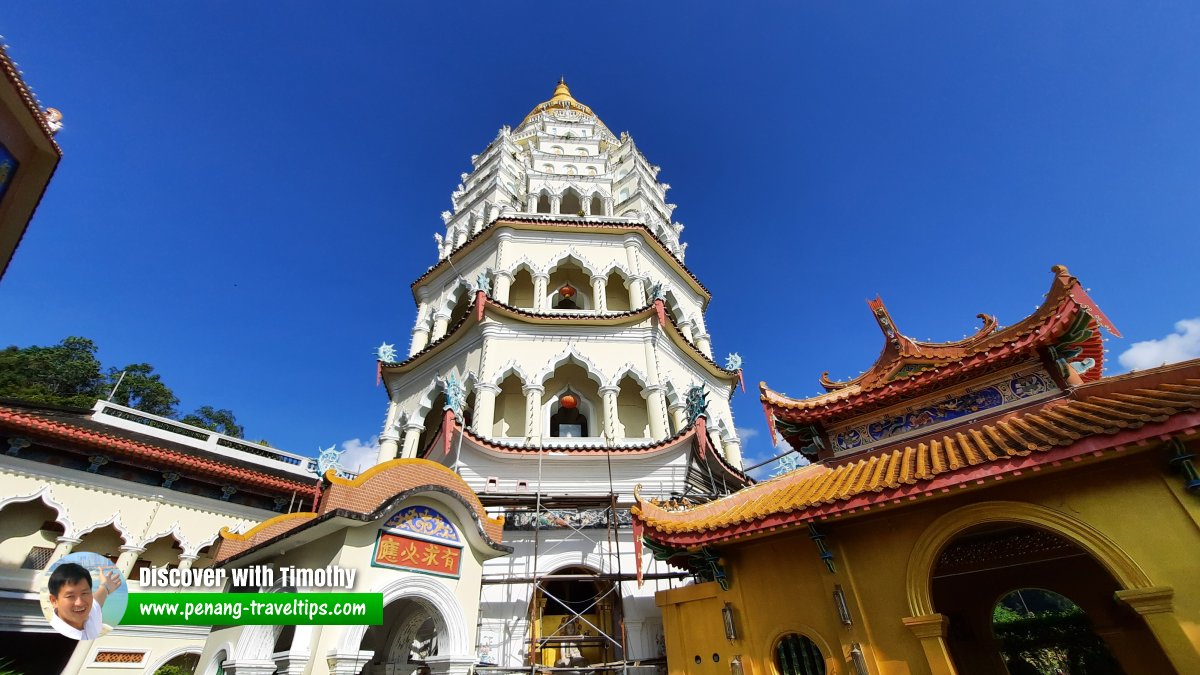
{"x":520,"y":293}
{"x":576,"y":416}
{"x":616,"y":292}
{"x":570,"y":204}
{"x":569,"y":287}
{"x":633,"y":420}
{"x":543,"y":203}
{"x":568,"y":421}
{"x":597,"y":202}
{"x":459,"y":306}
{"x":510,"y":409}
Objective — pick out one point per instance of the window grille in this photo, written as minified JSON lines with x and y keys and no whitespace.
{"x":797,"y":655}
{"x":38,"y":558}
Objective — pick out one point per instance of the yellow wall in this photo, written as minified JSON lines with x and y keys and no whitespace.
{"x":779,"y":584}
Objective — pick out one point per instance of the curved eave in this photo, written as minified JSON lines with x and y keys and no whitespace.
{"x":687,"y":435}
{"x":498,"y":309}
{"x":550,"y":224}
{"x":1063,"y":303}
{"x":1100,"y":421}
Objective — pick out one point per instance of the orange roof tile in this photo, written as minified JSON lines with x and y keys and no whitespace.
{"x":1102,"y":410}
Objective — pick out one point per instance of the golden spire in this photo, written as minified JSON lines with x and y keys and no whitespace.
{"x":561,"y":98}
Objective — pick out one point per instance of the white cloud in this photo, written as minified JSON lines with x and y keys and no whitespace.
{"x":1181,"y":345}
{"x":746,"y":433}
{"x":359,"y":456}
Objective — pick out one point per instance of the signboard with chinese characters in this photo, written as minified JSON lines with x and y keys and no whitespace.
{"x":409,"y":553}
{"x":8,"y":169}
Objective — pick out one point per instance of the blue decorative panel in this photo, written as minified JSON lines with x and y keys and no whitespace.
{"x":8,"y":169}
{"x":423,"y":521}
{"x":921,"y":417}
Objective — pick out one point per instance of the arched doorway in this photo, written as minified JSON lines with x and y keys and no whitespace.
{"x":1071,"y":624}
{"x":409,"y":635}
{"x":576,"y":620}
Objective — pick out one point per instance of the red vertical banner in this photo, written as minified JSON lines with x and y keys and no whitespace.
{"x":637,"y":548}
{"x":742,"y":380}
{"x":480,"y":297}
{"x":702,"y":434}
{"x":378,"y":372}
{"x":771,"y":426}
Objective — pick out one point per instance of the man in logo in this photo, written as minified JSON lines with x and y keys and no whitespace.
{"x":77,"y":612}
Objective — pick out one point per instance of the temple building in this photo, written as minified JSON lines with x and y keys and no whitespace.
{"x":138,"y":489}
{"x":559,"y":358}
{"x":987,"y":506}
{"x":28,"y":155}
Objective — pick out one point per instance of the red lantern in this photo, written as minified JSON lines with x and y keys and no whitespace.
{"x":569,"y":401}
{"x":566,"y":291}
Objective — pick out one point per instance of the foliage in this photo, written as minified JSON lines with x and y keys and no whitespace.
{"x":1051,"y":641}
{"x":172,"y":670}
{"x":7,"y":669}
{"x":142,"y":388}
{"x":221,"y":421}
{"x":69,"y":374}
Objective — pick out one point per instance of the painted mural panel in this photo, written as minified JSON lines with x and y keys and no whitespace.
{"x":1013,"y":387}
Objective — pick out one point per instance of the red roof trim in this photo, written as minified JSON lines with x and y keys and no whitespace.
{"x":65,"y":432}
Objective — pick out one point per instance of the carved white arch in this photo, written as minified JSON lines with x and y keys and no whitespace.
{"x":672,"y":395}
{"x":178,"y":651}
{"x":631,"y":370}
{"x":115,"y":521}
{"x":174,"y":530}
{"x":525,"y":262}
{"x":568,"y":253}
{"x":199,"y":546}
{"x":620,"y":267}
{"x":452,"y":633}
{"x":570,"y":353}
{"x":446,"y":303}
{"x":511,"y":367}
{"x":257,"y":643}
{"x":43,"y":493}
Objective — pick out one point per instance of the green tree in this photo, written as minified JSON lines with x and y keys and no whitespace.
{"x":142,"y":388}
{"x":66,"y":374}
{"x":221,"y":421}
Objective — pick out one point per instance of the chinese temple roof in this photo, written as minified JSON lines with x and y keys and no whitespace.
{"x":76,"y":428}
{"x":13,"y":75}
{"x":1068,"y":320}
{"x":370,"y":496}
{"x":1105,"y":417}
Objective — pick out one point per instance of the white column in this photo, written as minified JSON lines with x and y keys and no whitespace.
{"x":678,"y":416}
{"x":555,"y":202}
{"x":586,"y":202}
{"x":129,"y":556}
{"x":531,"y":203}
{"x":64,"y":546}
{"x":440,"y":322}
{"x":541,"y":283}
{"x":412,"y":435}
{"x":389,"y":445}
{"x":502,"y":286}
{"x":608,"y":397}
{"x":686,"y":329}
{"x":656,"y":409}
{"x":485,"y":408}
{"x":598,"y":295}
{"x":186,"y":560}
{"x":533,"y":411}
{"x":608,"y":206}
{"x":637,"y":291}
{"x":704,"y":344}
{"x":420,"y":339}
{"x":733,"y":452}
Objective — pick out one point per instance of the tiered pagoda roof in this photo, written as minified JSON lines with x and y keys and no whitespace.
{"x":1065,"y":329}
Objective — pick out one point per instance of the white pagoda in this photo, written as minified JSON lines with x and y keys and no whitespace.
{"x":560,"y":359}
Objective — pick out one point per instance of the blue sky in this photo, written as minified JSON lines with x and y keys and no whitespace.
{"x":246,"y":192}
